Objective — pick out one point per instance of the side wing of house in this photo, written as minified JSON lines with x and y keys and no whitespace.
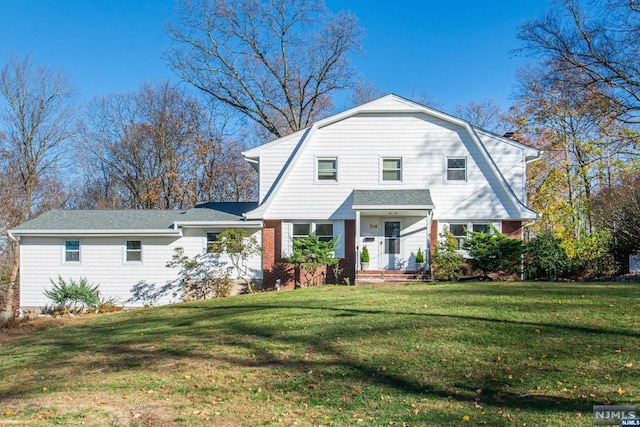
{"x":124,"y":252}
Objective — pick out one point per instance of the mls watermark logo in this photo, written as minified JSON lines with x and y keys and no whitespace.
{"x":615,"y":415}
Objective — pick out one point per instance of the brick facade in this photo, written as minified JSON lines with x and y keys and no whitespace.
{"x":512,"y":229}
{"x":275,"y":268}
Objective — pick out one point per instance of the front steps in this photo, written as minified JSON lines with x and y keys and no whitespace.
{"x":378,"y":277}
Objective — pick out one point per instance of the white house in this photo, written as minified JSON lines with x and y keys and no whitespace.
{"x":389,"y":175}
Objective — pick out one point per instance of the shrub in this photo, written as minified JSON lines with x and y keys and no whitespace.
{"x":493,"y":252}
{"x":446,"y":262}
{"x":364,"y":255}
{"x":79,"y":294}
{"x":309,"y":254}
{"x":419,"y":256}
{"x":545,"y":258}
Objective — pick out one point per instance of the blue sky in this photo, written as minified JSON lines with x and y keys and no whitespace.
{"x":456,"y":52}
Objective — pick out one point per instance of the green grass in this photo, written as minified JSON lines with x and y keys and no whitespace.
{"x":495,"y":354}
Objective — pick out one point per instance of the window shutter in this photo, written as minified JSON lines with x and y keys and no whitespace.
{"x":338,"y":233}
{"x":287,"y":235}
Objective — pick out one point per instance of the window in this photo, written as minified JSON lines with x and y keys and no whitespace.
{"x":72,"y":251}
{"x":459,"y":231}
{"x":324,"y":232}
{"x":392,"y":169}
{"x":480,"y":228}
{"x":328,"y":169}
{"x":301,"y":230}
{"x":456,"y":169}
{"x":134,"y":250}
{"x":211,"y":241}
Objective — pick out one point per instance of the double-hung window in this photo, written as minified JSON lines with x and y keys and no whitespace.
{"x":392,"y":169}
{"x":324,"y":232}
{"x":134,"y":250}
{"x":301,"y":230}
{"x":456,"y":168}
{"x":72,"y":251}
{"x":211,"y":241}
{"x":461,"y":231}
{"x":328,"y":169}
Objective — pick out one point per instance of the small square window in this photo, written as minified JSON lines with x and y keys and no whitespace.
{"x":134,"y":250}
{"x":328,"y":169}
{"x":72,"y":251}
{"x":392,"y":169}
{"x":457,"y":169}
{"x":324,"y":232}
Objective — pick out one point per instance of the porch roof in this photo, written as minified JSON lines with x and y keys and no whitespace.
{"x":392,"y":199}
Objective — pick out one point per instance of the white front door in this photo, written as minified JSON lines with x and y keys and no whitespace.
{"x":392,"y":242}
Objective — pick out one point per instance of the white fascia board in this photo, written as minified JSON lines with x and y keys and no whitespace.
{"x":97,"y":233}
{"x":218,"y":224}
{"x":392,"y":207}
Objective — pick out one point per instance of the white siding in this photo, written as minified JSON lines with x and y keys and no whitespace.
{"x":423,"y":142}
{"x":102,"y":261}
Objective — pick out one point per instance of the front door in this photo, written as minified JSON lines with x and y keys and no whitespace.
{"x":391,"y":244}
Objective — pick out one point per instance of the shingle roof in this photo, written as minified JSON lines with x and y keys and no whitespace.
{"x":393,"y":198}
{"x":134,"y":219}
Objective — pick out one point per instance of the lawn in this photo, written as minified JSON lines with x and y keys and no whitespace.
{"x":494,"y":354}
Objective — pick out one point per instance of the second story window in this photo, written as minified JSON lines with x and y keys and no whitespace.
{"x":392,"y":169}
{"x":456,"y":169}
{"x":328,"y":169}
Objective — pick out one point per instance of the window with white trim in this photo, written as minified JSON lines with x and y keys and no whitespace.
{"x":134,"y":250}
{"x":461,"y":231}
{"x":456,"y":168}
{"x":301,"y":230}
{"x":211,"y":241}
{"x":72,"y":251}
{"x":327,"y":169}
{"x":324,"y":232}
{"x":392,"y":169}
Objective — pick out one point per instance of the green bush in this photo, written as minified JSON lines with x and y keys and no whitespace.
{"x":309,"y":254}
{"x":77,"y":294}
{"x":364,"y":255}
{"x":545,"y":258}
{"x":419,"y":256}
{"x":446,"y":262}
{"x":493,"y":252}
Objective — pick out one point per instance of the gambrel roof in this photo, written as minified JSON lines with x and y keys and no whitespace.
{"x":390,"y":104}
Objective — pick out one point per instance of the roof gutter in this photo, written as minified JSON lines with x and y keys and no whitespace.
{"x":96,"y":233}
{"x":225,"y":224}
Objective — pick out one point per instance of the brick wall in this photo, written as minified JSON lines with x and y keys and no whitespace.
{"x":273,"y":266}
{"x":434,"y":236}
{"x":512,"y":229}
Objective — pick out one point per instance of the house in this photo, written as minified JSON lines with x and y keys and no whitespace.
{"x":390,"y":175}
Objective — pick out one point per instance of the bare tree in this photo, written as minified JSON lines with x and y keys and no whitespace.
{"x":485,"y":114}
{"x":159,"y":148}
{"x":593,"y":43}
{"x":277,"y":62}
{"x":37,"y":119}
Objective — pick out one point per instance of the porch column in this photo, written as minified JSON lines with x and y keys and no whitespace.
{"x":357,"y":242}
{"x":428,"y":251}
